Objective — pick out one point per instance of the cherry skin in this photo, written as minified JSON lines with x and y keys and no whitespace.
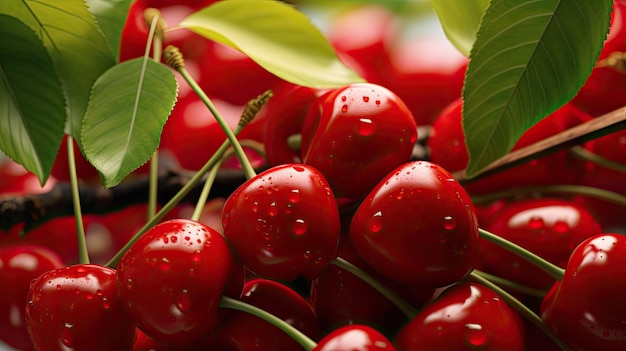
{"x":586,"y":309}
{"x":172,"y":278}
{"x":417,"y":227}
{"x":357,"y":134}
{"x":77,"y":308}
{"x":548,"y":227}
{"x":243,"y":331}
{"x":19,"y":265}
{"x":466,"y":316}
{"x":355,"y":337}
{"x":283,"y":223}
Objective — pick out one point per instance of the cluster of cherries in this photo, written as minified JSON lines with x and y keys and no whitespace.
{"x":345,"y":241}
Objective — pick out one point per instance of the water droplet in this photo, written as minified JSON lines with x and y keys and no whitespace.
{"x":299,"y":227}
{"x":99,"y":292}
{"x":375,"y":223}
{"x":183,"y":302}
{"x":261,"y":188}
{"x":561,"y":227}
{"x":165,"y":264}
{"x":89,"y":296}
{"x":377,"y":102}
{"x":106,"y":304}
{"x":536,"y":223}
{"x":255,"y":207}
{"x":67,"y":335}
{"x":449,"y":223}
{"x":294,"y":196}
{"x":166,"y":240}
{"x":269,"y":191}
{"x":187,"y":238}
{"x":196,"y":256}
{"x":307,"y":254}
{"x":298,"y":168}
{"x":475,"y":335}
{"x":366,"y":99}
{"x":343,"y":98}
{"x":344,"y":108}
{"x":272,"y":210}
{"x":366,"y":127}
{"x":400,"y":195}
{"x":174,"y":239}
{"x":58,"y":287}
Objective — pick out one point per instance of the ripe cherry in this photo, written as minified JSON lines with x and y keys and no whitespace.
{"x":77,"y":308}
{"x":548,"y":227}
{"x":586,"y":309}
{"x":417,"y":227}
{"x":355,"y":337}
{"x":466,"y":316}
{"x":19,"y":265}
{"x":283,"y":223}
{"x":172,"y":278}
{"x":357,"y":134}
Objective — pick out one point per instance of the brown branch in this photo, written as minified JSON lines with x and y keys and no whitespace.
{"x":34,"y":209}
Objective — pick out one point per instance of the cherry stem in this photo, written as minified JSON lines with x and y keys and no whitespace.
{"x":298,"y":336}
{"x":175,"y":199}
{"x":206,"y":189}
{"x":154,"y":160}
{"x":241,"y":155}
{"x":587,"y":155}
{"x":519,"y":307}
{"x":553,"y":270}
{"x":83,"y":253}
{"x":406,"y":308}
{"x":511,"y":285}
{"x":590,"y":191}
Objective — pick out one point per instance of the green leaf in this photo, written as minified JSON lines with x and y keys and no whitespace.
{"x":529,"y":58}
{"x":77,"y":47}
{"x":277,"y":36}
{"x":127,"y":110}
{"x":460,"y":21}
{"x":31,"y":124}
{"x":111,"y":16}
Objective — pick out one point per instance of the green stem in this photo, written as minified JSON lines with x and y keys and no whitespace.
{"x":206,"y":189}
{"x":83,"y":253}
{"x":298,"y":336}
{"x":154,"y":160}
{"x":553,"y":270}
{"x":587,"y":155}
{"x":175,"y":199}
{"x":408,"y":310}
{"x":519,"y":307}
{"x":241,"y":155}
{"x":511,"y":285}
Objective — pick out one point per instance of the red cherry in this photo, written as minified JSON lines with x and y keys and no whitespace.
{"x":417,"y":227}
{"x":586,"y":309}
{"x":16,"y":180}
{"x":357,"y":134}
{"x":243,"y":331}
{"x":172,"y":278}
{"x":550,"y":228}
{"x":466,"y":316}
{"x":19,"y":265}
{"x":355,"y":337}
{"x":283,"y":223}
{"x":76,"y":308}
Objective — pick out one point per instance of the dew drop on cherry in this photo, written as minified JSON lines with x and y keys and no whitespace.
{"x":106,"y":304}
{"x":449,"y":223}
{"x":272,"y":211}
{"x":67,"y":335}
{"x":299,"y":227}
{"x":165,"y":264}
{"x":344,"y":98}
{"x":294,"y":196}
{"x":298,"y":168}
{"x":366,"y":99}
{"x":375,"y":223}
{"x":365,"y":127}
{"x":476,"y":336}
{"x":561,"y":227}
{"x":344,"y":108}
{"x":536,"y":223}
{"x":255,"y":207}
{"x":183,"y":302}
{"x":196,"y":257}
{"x":89,"y":296}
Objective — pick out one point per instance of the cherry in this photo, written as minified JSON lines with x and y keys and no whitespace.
{"x":19,"y":264}
{"x":466,"y":316}
{"x":244,"y":331}
{"x":586,"y":309}
{"x":448,"y":149}
{"x":17,"y":180}
{"x":355,"y":337}
{"x":548,"y":227}
{"x":283,"y":223}
{"x":76,"y":308}
{"x":357,"y":134}
{"x":417,"y":227}
{"x":340,"y":298}
{"x":171,"y":280}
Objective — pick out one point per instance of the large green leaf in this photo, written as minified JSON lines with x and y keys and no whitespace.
{"x":460,"y":21}
{"x":529,"y":58}
{"x":77,"y":47}
{"x":277,"y":36}
{"x":127,"y":110}
{"x":111,"y":16}
{"x":31,"y":123}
